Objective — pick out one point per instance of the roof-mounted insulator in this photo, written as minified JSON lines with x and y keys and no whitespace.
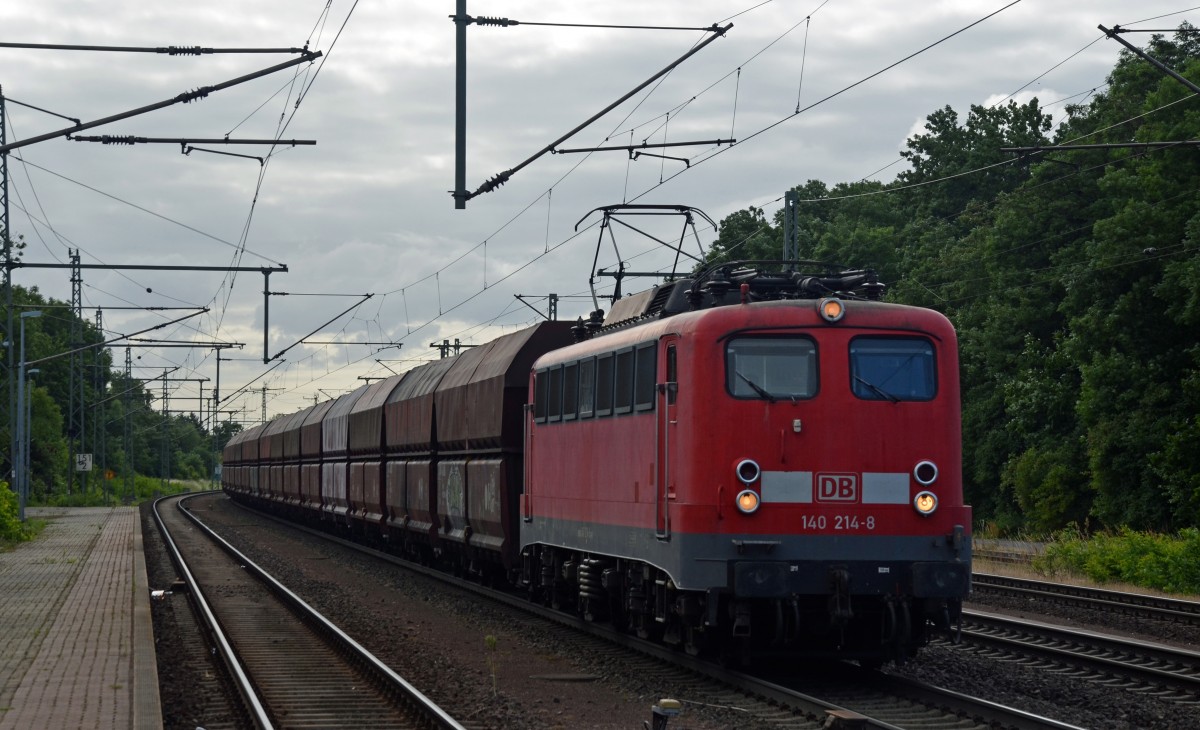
{"x":580,"y":331}
{"x":595,"y":320}
{"x":874,"y":288}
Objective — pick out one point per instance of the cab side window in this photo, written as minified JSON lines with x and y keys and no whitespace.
{"x":604,"y":384}
{"x":645,"y":373}
{"x":587,"y":387}
{"x":608,"y":384}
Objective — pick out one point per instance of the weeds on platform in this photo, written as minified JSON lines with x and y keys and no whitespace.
{"x":1169,"y":563}
{"x":12,"y":530}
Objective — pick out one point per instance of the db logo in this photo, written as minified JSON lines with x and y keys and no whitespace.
{"x":837,"y":487}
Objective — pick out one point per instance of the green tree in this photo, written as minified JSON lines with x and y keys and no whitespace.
{"x":106,"y":402}
{"x":746,"y":234}
{"x":958,"y":164}
{"x":47,"y":446}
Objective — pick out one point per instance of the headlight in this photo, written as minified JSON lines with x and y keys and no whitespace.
{"x":831,"y":309}
{"x":748,"y":471}
{"x":747,"y":501}
{"x":925,"y":503}
{"x":926,"y":473}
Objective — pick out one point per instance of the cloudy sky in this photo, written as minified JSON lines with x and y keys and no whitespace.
{"x":367,"y":209}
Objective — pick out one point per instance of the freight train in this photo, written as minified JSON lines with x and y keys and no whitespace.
{"x":762,"y":458}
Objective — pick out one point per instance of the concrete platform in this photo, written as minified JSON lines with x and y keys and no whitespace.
{"x":78,"y":641}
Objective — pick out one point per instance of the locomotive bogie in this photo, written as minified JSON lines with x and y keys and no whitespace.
{"x":873,"y":624}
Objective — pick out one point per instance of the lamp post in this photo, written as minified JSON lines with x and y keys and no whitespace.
{"x":22,"y":440}
{"x":28,"y":428}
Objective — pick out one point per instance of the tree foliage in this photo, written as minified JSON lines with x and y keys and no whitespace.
{"x":159,"y":445}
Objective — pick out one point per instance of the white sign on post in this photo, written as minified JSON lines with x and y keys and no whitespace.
{"x":83,"y":462}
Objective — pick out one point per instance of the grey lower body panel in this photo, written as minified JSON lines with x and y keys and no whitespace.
{"x":775,"y":565}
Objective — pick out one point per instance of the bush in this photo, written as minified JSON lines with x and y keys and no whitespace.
{"x":11,"y":528}
{"x":144,"y":488}
{"x":1162,"y":562}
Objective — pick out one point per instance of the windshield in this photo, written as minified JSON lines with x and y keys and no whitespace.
{"x":892,"y":368}
{"x":771,"y":368}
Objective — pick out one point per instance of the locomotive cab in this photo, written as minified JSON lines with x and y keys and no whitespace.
{"x":772,"y":476}
{"x":858,"y":472}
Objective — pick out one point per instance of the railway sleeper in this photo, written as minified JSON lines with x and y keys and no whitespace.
{"x":633,"y":596}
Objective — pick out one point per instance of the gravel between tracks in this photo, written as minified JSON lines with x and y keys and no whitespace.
{"x":437,"y":638}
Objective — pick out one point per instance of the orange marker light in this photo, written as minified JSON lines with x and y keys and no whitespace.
{"x":747,"y":501}
{"x":831,"y":309}
{"x":925,"y":503}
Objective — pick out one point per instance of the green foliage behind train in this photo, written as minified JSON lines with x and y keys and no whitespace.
{"x":117,"y":492}
{"x":1162,"y":562}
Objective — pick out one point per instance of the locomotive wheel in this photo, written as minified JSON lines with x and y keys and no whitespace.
{"x":734,"y":653}
{"x":696,"y":641}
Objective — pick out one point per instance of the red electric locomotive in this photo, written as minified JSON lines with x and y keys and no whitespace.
{"x":753,"y":461}
{"x":746,"y":460}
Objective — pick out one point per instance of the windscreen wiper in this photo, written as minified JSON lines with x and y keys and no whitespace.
{"x":877,"y":390}
{"x":762,"y":392}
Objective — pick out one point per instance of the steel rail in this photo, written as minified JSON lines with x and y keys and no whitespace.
{"x":1141,"y":660}
{"x":241,"y":680}
{"x":773,"y":692}
{"x":1139,"y":604}
{"x":434,"y":714}
{"x":969,"y":706}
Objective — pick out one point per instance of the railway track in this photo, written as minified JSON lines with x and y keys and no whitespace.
{"x":1172,"y":673}
{"x":1009,"y":552}
{"x":784,"y":701}
{"x":293,"y":667}
{"x":1135,"y":605}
